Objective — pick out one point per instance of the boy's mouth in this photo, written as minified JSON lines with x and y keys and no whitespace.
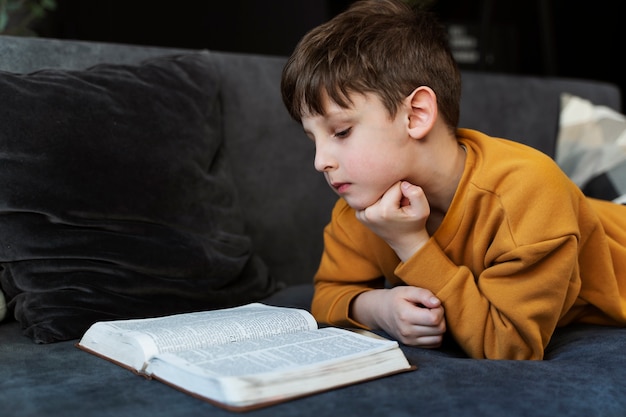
{"x":340,"y":187}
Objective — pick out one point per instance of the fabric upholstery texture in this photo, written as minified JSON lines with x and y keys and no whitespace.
{"x":591,"y":147}
{"x":116,"y":198}
{"x":3,"y":306}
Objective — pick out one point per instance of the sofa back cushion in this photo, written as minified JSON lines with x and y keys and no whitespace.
{"x":284,"y":201}
{"x":525,"y":108}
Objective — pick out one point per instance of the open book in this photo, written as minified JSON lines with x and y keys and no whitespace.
{"x":244,"y":357}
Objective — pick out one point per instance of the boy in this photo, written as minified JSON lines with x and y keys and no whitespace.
{"x":436,"y":219}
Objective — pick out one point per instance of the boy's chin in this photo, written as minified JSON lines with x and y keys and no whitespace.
{"x":358,"y":205}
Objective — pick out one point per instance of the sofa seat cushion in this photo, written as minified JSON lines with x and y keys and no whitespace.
{"x":116,"y":198}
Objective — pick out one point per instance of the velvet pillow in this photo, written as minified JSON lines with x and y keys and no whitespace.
{"x":591,"y":147}
{"x":116,"y":199}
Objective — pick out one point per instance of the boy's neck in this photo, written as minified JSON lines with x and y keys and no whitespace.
{"x":441,"y":200}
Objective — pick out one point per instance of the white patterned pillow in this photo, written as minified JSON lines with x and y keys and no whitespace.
{"x":591,"y":147}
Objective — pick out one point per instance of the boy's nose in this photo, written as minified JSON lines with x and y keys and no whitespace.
{"x":323,"y":161}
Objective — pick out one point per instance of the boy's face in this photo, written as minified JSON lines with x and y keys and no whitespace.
{"x":361,"y":150}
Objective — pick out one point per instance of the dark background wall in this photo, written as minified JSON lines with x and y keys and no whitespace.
{"x":541,"y":37}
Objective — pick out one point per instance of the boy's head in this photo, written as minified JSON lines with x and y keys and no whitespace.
{"x":376,"y":46}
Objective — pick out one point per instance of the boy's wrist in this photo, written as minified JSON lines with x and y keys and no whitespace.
{"x":363,"y":308}
{"x":406,"y":251}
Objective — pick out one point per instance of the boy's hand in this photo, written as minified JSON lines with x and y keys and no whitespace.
{"x":411,"y":315}
{"x":399,"y":218}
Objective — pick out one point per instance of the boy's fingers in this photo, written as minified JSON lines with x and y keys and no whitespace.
{"x":413,"y":195}
{"x":392,"y":195}
{"x":421,"y":296}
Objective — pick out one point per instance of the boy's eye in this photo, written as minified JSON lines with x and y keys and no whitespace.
{"x":343,"y":133}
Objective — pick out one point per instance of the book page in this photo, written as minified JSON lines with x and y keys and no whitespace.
{"x":280,"y":366}
{"x":193,"y":330}
{"x":280,"y":352}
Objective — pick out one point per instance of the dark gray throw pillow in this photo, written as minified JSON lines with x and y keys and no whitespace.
{"x":116,"y":199}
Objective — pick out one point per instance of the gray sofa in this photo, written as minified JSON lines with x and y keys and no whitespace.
{"x":285,"y":205}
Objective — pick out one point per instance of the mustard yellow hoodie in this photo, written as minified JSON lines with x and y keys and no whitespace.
{"x":520,"y":251}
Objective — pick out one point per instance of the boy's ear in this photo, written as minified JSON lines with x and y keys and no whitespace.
{"x":422,"y":111}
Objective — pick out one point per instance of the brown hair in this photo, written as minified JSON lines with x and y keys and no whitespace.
{"x":376,"y":46}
